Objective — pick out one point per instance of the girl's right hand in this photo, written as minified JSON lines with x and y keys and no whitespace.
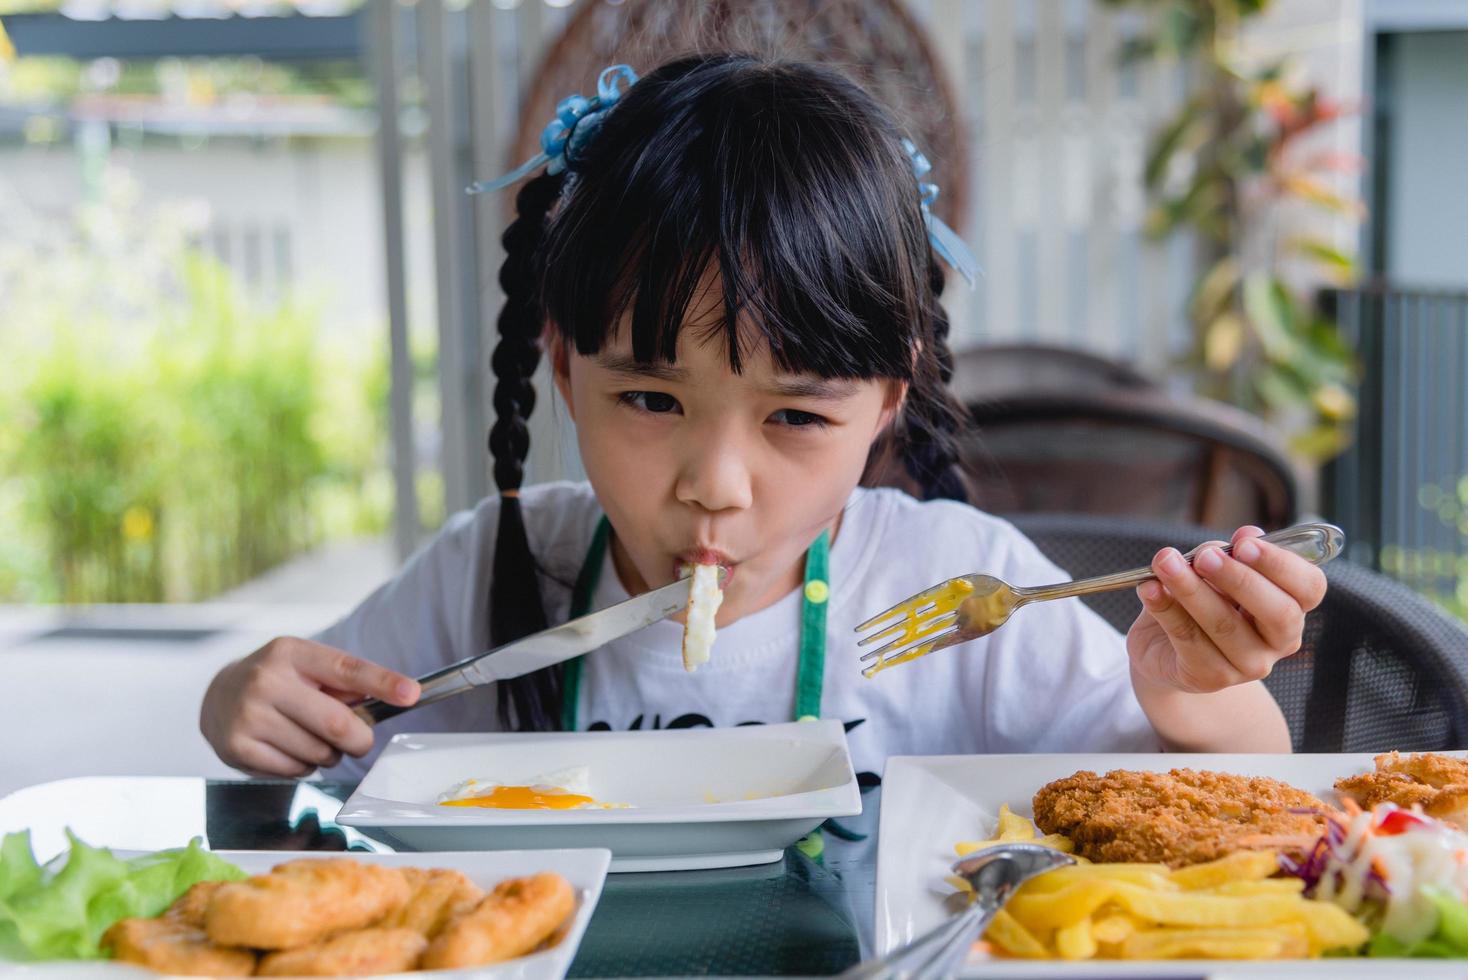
{"x":283,"y":710}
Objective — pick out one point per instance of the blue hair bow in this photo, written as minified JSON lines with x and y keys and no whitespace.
{"x":577,"y":121}
{"x":946,"y":242}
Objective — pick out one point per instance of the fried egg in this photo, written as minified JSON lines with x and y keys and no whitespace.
{"x":563,"y":789}
{"x":703,"y":604}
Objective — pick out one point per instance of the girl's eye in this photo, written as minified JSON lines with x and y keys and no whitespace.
{"x":657,"y":402}
{"x":797,"y":419}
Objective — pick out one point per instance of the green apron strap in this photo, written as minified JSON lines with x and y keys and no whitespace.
{"x":811,"y":673}
{"x":581,"y":596}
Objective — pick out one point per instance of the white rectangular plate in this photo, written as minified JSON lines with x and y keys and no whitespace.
{"x":929,"y":803}
{"x":697,"y":798}
{"x":585,"y":869}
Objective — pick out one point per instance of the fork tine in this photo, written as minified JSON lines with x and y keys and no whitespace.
{"x":934,"y":627}
{"x":944,"y":639}
{"x":927,"y":595}
{"x":925,"y":615}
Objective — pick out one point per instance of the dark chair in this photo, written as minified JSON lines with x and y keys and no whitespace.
{"x":1380,"y":667}
{"x":1061,"y":431}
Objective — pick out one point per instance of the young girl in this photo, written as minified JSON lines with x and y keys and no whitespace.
{"x":729,"y":264}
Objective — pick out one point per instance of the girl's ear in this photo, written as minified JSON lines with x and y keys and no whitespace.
{"x":560,"y":357}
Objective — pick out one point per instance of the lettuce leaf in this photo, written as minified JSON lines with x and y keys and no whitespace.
{"x":1449,"y":940}
{"x":48,"y":913}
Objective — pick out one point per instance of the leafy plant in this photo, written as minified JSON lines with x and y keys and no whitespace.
{"x":162,"y":437}
{"x":1231,"y":167}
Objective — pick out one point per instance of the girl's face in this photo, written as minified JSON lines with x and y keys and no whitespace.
{"x":695,"y":463}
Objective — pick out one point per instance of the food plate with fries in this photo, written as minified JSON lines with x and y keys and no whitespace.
{"x":1272,"y":889}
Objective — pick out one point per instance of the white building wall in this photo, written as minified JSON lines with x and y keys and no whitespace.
{"x":1427,"y":205}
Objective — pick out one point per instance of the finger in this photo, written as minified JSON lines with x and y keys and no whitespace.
{"x":327,"y":720}
{"x":1215,"y":616}
{"x":263,"y":760}
{"x":1304,"y":582}
{"x":342,"y":672}
{"x":1247,"y":531}
{"x":1199,"y":665}
{"x":1275,"y":615}
{"x":1199,"y":550}
{"x":289,"y":736}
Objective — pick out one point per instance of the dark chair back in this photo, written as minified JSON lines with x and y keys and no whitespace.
{"x":1060,"y":431}
{"x":1380,"y":667}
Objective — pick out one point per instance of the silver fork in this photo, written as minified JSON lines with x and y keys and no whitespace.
{"x":970,"y":606}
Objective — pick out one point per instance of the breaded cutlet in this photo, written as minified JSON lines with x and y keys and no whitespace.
{"x":1175,"y":818}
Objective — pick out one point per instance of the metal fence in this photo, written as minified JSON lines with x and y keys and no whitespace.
{"x":1401,"y":491}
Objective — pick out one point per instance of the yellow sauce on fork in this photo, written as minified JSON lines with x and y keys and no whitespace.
{"x":945,"y":598}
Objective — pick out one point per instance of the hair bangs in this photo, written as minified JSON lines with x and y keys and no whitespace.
{"x":759,"y":180}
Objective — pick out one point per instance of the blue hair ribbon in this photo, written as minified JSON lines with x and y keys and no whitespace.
{"x":951,"y":248}
{"x":577,"y":121}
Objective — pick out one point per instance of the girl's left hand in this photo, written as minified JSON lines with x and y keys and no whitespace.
{"x":1225,"y":620}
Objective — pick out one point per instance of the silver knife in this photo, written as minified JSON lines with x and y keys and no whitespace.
{"x":538,"y":650}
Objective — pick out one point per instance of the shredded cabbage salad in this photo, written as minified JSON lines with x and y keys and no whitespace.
{"x":1403,"y":874}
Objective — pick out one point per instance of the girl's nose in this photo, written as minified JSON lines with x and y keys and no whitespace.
{"x":715,"y":475}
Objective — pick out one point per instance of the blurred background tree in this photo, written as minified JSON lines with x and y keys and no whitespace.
{"x":1233,"y":168}
{"x":165,"y":438}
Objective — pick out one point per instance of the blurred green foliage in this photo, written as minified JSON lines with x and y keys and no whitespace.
{"x":39,"y":79}
{"x":162,"y":436}
{"x":1235,"y":168}
{"x":1440,"y":574}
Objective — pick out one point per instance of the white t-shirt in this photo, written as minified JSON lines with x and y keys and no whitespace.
{"x":1054,"y":679}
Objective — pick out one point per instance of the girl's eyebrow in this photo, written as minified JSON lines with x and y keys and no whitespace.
{"x":797,"y":387}
{"x":632,"y":367}
{"x":792,"y":386}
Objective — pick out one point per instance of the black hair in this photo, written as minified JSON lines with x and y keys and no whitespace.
{"x":791,"y":182}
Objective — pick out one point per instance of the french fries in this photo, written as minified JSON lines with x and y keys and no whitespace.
{"x":1226,"y":909}
{"x":1014,"y":828}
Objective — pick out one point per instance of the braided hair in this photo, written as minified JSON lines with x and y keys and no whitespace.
{"x":792,"y":183}
{"x":515,"y":605}
{"x":932,"y":418}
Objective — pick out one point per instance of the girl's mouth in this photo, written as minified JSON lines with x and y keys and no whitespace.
{"x":705,"y":556}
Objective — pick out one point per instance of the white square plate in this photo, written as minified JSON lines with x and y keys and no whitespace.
{"x":697,"y":798}
{"x":585,"y":869}
{"x":929,"y":803}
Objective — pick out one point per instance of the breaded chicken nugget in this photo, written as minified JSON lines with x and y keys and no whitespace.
{"x":1449,"y":805}
{"x":303,"y":902}
{"x":366,"y":952}
{"x":1371,"y":788}
{"x":519,"y":915}
{"x":168,"y":944}
{"x":1432,"y":768}
{"x":193,"y":905}
{"x":1435,"y":783}
{"x":438,"y":896}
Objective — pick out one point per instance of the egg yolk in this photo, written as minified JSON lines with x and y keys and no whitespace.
{"x":952,"y":594}
{"x":523,"y":798}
